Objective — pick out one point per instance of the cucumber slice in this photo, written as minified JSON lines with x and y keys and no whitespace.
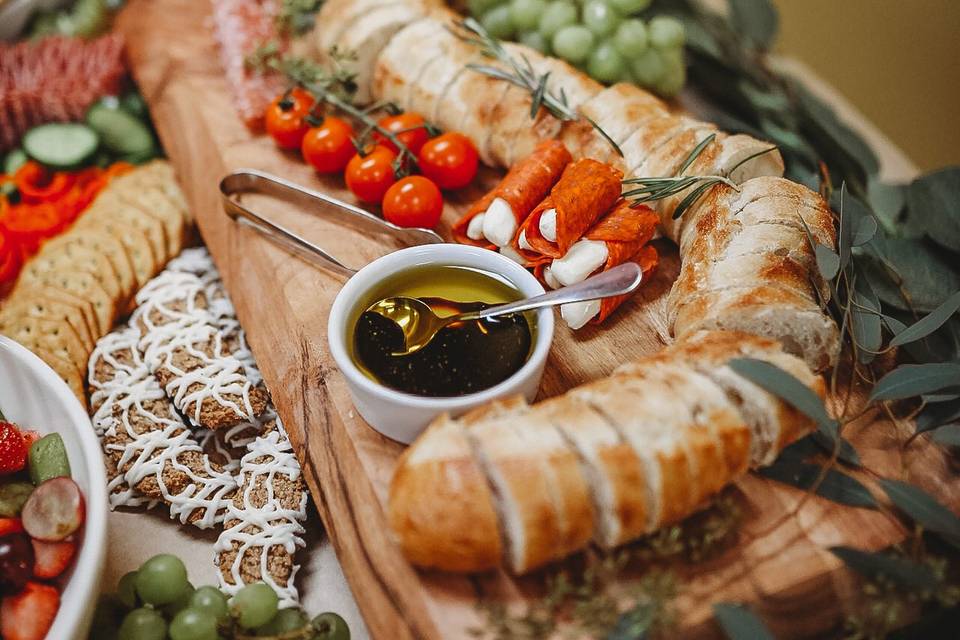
{"x":61,"y":146}
{"x":120,"y":131}
{"x":14,"y":160}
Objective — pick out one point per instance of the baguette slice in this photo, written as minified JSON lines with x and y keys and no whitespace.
{"x":440,"y":507}
{"x":613,"y":471}
{"x":403,"y":63}
{"x":648,"y":137}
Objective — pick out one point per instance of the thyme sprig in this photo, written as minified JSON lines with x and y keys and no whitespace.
{"x":521,"y":73}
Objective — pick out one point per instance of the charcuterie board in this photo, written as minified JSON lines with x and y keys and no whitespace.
{"x":779,"y":565}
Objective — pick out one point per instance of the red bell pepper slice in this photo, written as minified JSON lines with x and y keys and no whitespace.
{"x":36,"y":184}
{"x":30,"y":224}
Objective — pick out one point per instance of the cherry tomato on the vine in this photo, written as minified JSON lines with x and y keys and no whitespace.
{"x":408,"y":127}
{"x":369,"y":176}
{"x":285,"y":119}
{"x":450,"y":160}
{"x":413,"y":201}
{"x":328,"y":148}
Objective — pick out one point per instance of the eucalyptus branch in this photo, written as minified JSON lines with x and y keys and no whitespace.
{"x":522,"y":74}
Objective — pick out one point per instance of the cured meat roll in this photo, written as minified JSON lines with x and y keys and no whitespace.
{"x":493,"y":220}
{"x":620,"y":236}
{"x":586,"y":190}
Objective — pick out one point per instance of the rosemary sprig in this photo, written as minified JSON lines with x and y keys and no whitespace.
{"x":522,"y":74}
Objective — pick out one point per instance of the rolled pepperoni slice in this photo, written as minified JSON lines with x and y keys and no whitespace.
{"x":586,"y":190}
{"x":493,"y":220}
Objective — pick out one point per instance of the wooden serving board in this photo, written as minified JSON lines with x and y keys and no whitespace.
{"x":779,"y":565}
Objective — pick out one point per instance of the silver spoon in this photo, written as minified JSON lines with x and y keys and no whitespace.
{"x":420,"y":323}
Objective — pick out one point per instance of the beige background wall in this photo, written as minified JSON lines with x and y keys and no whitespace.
{"x":898,"y":61}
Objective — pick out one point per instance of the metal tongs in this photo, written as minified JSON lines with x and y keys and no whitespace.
{"x":253,"y":181}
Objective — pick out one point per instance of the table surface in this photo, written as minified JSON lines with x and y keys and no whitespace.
{"x":134,"y":536}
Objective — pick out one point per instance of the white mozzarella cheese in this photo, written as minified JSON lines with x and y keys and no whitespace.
{"x":475,"y":228}
{"x":584,"y":257}
{"x":499,"y":223}
{"x":551,"y":279}
{"x":548,"y":225}
{"x":578,"y":314}
{"x":522,"y":241}
{"x":509,"y":252}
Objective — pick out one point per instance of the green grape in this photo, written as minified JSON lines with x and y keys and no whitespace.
{"x":212,"y":601}
{"x":480,"y":7}
{"x":674,"y":75}
{"x":557,"y":15}
{"x":143,"y":624}
{"x":573,"y":43}
{"x":181,"y":603}
{"x":127,"y":589}
{"x":285,"y":621}
{"x":605,"y":64}
{"x":498,"y":23}
{"x":162,"y":579}
{"x":255,"y":605}
{"x":629,"y":7}
{"x":647,"y":68}
{"x":330,"y":626}
{"x":525,"y":14}
{"x":631,"y":38}
{"x":600,"y":17}
{"x":193,"y":624}
{"x":666,"y":32}
{"x":534,"y":40}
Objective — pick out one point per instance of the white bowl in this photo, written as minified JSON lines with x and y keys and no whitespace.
{"x":34,"y":397}
{"x":402,"y":416}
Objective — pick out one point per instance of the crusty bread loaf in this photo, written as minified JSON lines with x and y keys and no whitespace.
{"x":610,"y":460}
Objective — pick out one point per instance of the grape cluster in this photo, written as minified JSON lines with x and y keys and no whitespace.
{"x":602,"y":37}
{"x":157,"y":602}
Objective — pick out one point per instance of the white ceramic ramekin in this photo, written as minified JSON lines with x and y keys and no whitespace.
{"x":402,"y":416}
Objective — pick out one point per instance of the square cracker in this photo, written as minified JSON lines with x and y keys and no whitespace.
{"x":54,"y":335}
{"x":110,"y":207}
{"x":153,"y":202}
{"x":39,"y":307}
{"x":145,"y":262}
{"x":58,"y":256}
{"x":66,"y":372}
{"x":158,"y":173}
{"x":102,"y":242}
{"x":44,"y":292}
{"x":82,"y":285}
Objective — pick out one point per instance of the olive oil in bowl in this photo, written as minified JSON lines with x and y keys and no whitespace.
{"x":464,"y":357}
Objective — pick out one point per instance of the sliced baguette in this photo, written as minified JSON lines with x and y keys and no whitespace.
{"x":407,"y":55}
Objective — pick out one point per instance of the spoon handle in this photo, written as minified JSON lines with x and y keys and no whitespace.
{"x":615,"y":282}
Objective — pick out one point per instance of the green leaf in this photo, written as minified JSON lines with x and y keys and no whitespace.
{"x":902,"y":571}
{"x":866,"y":324}
{"x":929,"y":323}
{"x":783,"y":385}
{"x":938,"y":414}
{"x":828,"y":262}
{"x":935,"y":197}
{"x":910,"y":380}
{"x":887,"y":201}
{"x":948,"y":436}
{"x":923,"y":508}
{"x":836,"y":485}
{"x":739,"y":623}
{"x":837,"y":134}
{"x":755,"y":20}
{"x":828,"y":437}
{"x":925,"y":275}
{"x":845,"y":235}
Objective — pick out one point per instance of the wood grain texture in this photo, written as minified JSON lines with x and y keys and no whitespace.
{"x":779,"y":566}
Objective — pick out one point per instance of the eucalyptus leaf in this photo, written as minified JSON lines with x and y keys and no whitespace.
{"x":929,"y":323}
{"x":845,"y":226}
{"x":925,"y":276}
{"x":837,"y":134}
{"x":937,"y":415}
{"x":828,"y":437}
{"x":836,"y":485}
{"x":755,"y":20}
{"x":923,"y":508}
{"x":785,"y":386}
{"x":901,"y":571}
{"x":887,"y":202}
{"x":864,"y":230}
{"x":911,"y":380}
{"x":865,"y":321}
{"x":936,"y":197}
{"x":948,"y":436}
{"x":788,"y":140}
{"x":772,"y":100}
{"x":739,"y":623}
{"x":828,"y":262}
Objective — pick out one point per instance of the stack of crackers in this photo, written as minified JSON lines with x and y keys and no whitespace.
{"x":81,"y":282}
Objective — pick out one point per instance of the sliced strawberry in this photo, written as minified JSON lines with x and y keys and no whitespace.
{"x":10,"y":525}
{"x":29,"y":614}
{"x":29,"y":437}
{"x":13,"y":451}
{"x":52,"y":558}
